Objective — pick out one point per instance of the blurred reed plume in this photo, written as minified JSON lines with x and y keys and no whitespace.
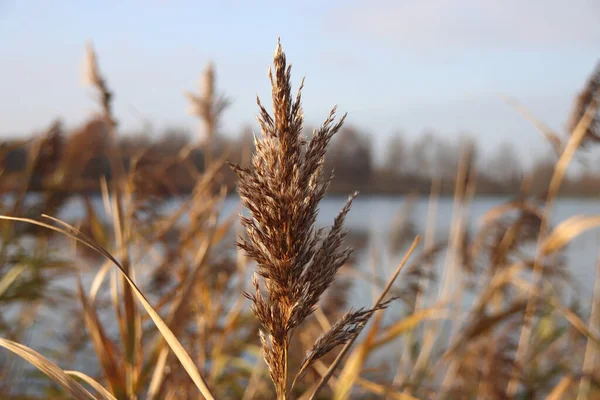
{"x":282,"y":190}
{"x":92,"y":77}
{"x":589,"y":97}
{"x":208,"y":105}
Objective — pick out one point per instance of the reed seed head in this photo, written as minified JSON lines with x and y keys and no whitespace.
{"x":589,"y":97}
{"x":282,"y":189}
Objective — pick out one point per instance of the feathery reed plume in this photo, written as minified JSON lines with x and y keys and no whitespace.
{"x":92,"y":77}
{"x":208,"y":107}
{"x":588,"y":97}
{"x":282,"y":190}
{"x":346,"y":328}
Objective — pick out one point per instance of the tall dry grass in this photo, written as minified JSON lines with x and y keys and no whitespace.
{"x":173,"y":320}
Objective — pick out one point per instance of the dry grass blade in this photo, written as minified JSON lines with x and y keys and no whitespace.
{"x":568,"y":314}
{"x":10,"y":276}
{"x":105,"y":350}
{"x":408,"y":323}
{"x":560,"y":390}
{"x":342,"y":353}
{"x":577,"y":136}
{"x":178,"y":307}
{"x":567,"y":231}
{"x":258,"y":370}
{"x":98,"y":279}
{"x":158,"y":374}
{"x":50,"y":369}
{"x":591,"y":349}
{"x":483,"y":324}
{"x":545,"y":130}
{"x":167,"y":334}
{"x":497,"y":212}
{"x":575,"y":321}
{"x":382,"y":390}
{"x":90,"y":381}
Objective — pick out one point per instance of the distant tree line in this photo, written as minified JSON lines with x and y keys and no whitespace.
{"x":75,"y":161}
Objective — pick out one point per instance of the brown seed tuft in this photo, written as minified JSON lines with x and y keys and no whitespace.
{"x":296,"y":261}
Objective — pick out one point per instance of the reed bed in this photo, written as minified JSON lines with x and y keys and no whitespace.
{"x":163,"y":305}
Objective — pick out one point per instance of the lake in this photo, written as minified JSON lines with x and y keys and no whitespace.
{"x":373,"y":218}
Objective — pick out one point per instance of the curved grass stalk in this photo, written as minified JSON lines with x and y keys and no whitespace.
{"x":55,"y":373}
{"x":179,"y":351}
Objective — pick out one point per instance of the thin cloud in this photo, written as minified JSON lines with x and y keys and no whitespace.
{"x":473,"y":24}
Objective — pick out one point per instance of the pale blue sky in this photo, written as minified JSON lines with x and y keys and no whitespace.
{"x":405,"y":65}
